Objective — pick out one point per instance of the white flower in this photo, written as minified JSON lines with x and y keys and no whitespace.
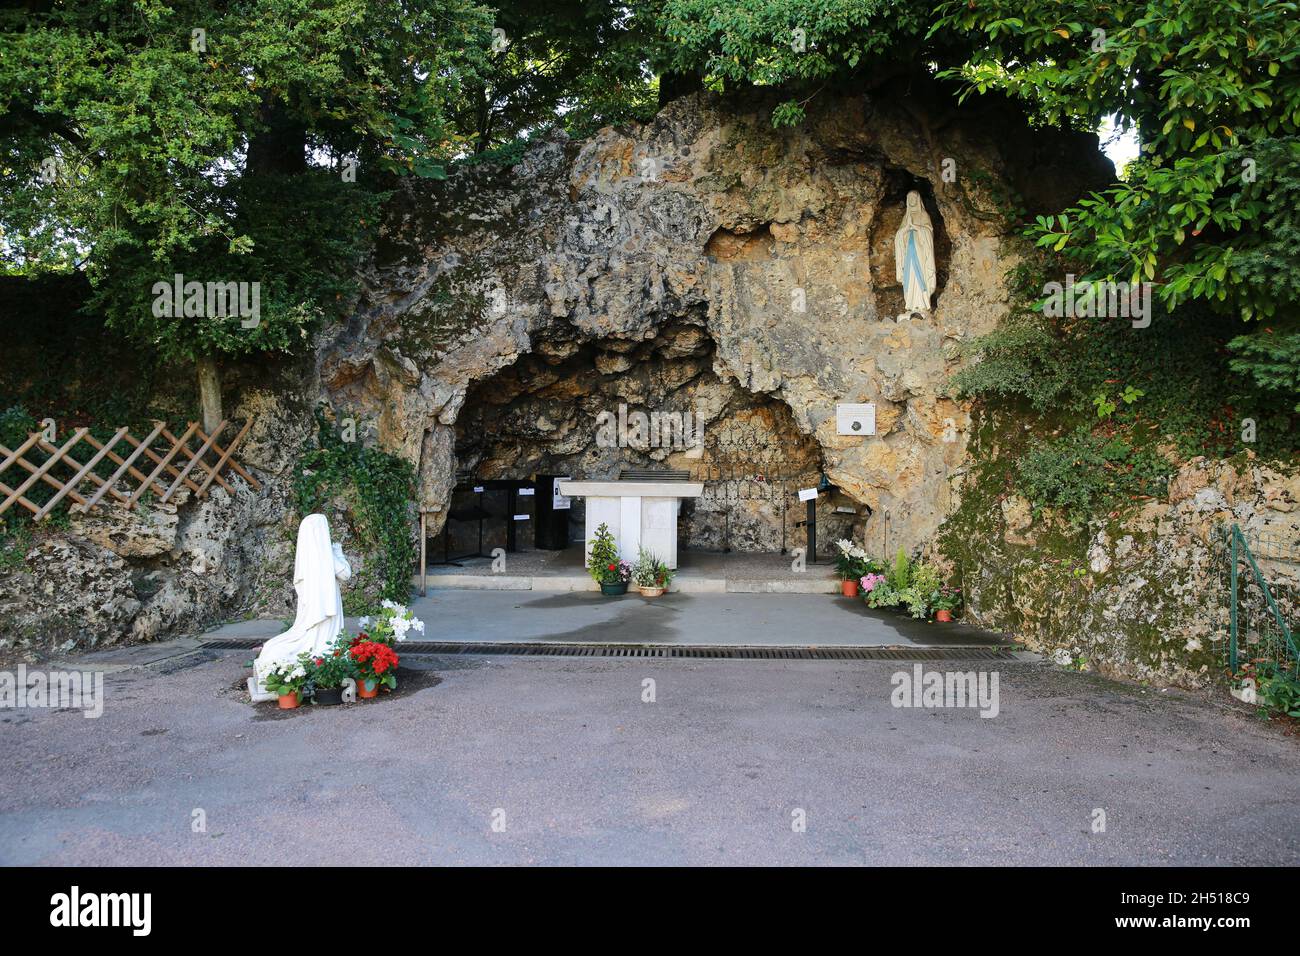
{"x":364,"y":623}
{"x":417,"y":625}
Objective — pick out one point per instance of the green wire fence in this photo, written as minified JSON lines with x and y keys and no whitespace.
{"x":1262,"y":586}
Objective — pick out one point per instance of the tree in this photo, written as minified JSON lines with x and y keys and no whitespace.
{"x":245,"y":142}
{"x":1209,"y":210}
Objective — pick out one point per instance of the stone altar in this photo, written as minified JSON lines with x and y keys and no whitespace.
{"x":640,"y":514}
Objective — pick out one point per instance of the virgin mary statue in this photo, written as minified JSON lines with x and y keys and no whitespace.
{"x":914,"y":255}
{"x":318,"y":567}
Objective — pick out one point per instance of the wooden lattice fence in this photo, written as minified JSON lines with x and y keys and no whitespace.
{"x":176,"y":462}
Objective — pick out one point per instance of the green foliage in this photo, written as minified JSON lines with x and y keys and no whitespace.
{"x":1279,"y":690}
{"x":1272,"y":359}
{"x":289,"y":677}
{"x":1074,"y":371}
{"x":921,"y":590}
{"x":15,"y":425}
{"x":650,"y":572}
{"x":1208,"y":211}
{"x":378,"y":489}
{"x":578,"y":64}
{"x":331,"y":670}
{"x":899,"y":574}
{"x":798,"y":45}
{"x":603,"y":562}
{"x":1083,"y":474}
{"x":1021,"y":359}
{"x":135,"y":153}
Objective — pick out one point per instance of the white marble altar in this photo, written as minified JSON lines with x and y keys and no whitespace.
{"x":640,"y":514}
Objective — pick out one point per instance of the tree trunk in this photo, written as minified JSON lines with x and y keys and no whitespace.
{"x":281,"y":148}
{"x":209,"y":392}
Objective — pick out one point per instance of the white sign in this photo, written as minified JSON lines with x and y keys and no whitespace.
{"x":807,"y":494}
{"x":855,"y":419}
{"x":559,"y":502}
{"x":478,"y":489}
{"x":527,"y":491}
{"x":521,"y":517}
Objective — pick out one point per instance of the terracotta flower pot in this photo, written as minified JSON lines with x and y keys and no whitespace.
{"x":849,"y":588}
{"x":289,"y":701}
{"x":367,"y":688}
{"x":650,"y":592}
{"x":943,"y":614}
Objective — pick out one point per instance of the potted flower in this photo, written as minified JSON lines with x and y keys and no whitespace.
{"x":945,"y":601}
{"x":604,"y":566}
{"x":851,"y":564}
{"x":651,"y":575}
{"x":326,"y":674}
{"x":376,"y":664}
{"x":391,"y":625}
{"x":877,"y":591}
{"x":287,"y":679}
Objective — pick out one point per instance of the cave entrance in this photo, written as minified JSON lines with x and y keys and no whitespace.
{"x":615,"y":408}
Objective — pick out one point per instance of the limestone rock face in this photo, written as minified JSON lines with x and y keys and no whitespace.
{"x":766,"y":253}
{"x":114,"y":575}
{"x":1142,"y":594}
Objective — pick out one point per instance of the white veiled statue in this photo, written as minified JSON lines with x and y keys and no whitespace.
{"x":914,"y":255}
{"x":318,"y":567}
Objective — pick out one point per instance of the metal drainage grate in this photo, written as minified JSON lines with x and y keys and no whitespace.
{"x":688,"y":653}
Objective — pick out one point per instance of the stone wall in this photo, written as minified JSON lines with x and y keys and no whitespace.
{"x":1142,"y":594}
{"x":114,"y":575}
{"x":774,"y":244}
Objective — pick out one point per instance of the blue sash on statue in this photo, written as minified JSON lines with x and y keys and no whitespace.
{"x":912,"y":263}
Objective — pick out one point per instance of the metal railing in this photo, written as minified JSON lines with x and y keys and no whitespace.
{"x":1260,"y":610}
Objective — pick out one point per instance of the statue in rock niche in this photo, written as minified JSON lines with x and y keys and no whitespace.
{"x":914,"y":256}
{"x":318,"y":567}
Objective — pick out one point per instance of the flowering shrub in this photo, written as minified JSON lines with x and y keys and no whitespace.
{"x":852,"y":561}
{"x":287,"y":677}
{"x":650,"y":572}
{"x":946,"y":599}
{"x":393,"y":622}
{"x":331,"y":670}
{"x":603,"y":564}
{"x":374,"y":661}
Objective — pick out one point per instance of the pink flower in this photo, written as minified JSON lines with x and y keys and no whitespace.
{"x":869,"y":581}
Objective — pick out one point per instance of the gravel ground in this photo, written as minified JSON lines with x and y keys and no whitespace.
{"x":574,"y":768}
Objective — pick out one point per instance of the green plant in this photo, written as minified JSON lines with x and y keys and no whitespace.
{"x":288,"y":677}
{"x":881,"y":594}
{"x":1083,"y":474}
{"x":923,"y":584}
{"x":332,"y":669}
{"x":946,"y":599}
{"x":603,"y":562}
{"x":899,"y":574}
{"x":1278,"y":689}
{"x":650,"y":572}
{"x":851,"y":561}
{"x":390,"y":624}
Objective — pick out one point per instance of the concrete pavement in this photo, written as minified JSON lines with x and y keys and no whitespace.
{"x":563,"y":761}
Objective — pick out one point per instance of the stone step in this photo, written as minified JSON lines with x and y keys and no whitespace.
{"x":684,"y":584}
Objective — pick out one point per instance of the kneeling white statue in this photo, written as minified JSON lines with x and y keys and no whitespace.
{"x":318,"y":567}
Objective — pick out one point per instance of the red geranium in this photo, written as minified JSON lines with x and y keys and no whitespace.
{"x":373,"y":659}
